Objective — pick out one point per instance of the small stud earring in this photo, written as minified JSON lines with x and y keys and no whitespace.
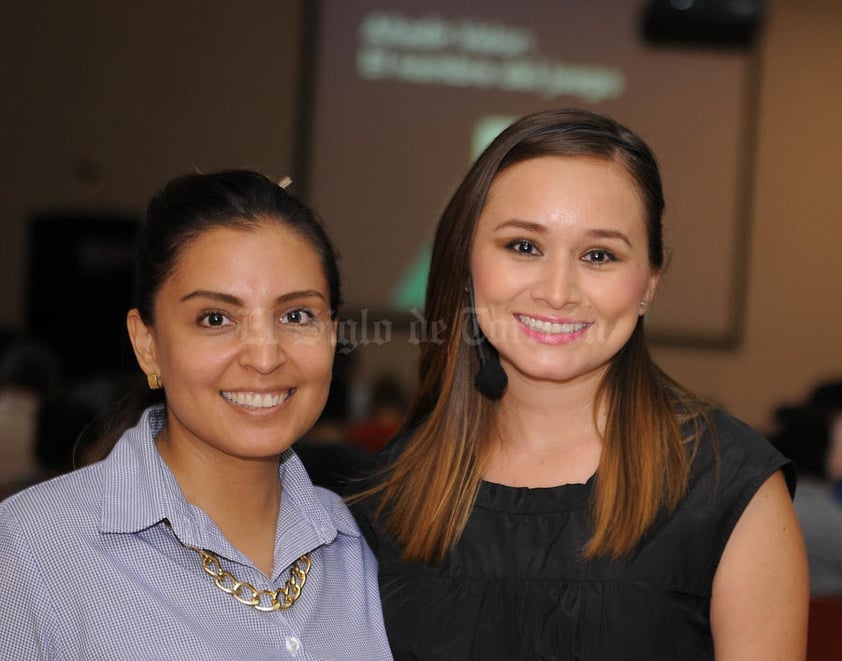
{"x":154,"y":381}
{"x":643,"y":304}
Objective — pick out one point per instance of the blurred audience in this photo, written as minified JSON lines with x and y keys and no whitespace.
{"x":63,"y":424}
{"x":387,"y":410}
{"x":66,"y":426}
{"x":811,"y":435}
{"x":30,"y":374}
{"x":330,"y":459}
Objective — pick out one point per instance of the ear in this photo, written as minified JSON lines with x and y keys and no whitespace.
{"x":334,"y":327}
{"x":651,"y":287}
{"x":143,"y":342}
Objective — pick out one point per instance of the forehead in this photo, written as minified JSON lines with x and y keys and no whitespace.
{"x":553,"y":186}
{"x":264,"y":254}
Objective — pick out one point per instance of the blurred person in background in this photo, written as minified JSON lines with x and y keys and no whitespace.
{"x":30,"y":375}
{"x":811,"y":435}
{"x":326,"y":451}
{"x":387,"y":408}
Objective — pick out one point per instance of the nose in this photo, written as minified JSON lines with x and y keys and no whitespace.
{"x":557,"y":283}
{"x":261,"y":346}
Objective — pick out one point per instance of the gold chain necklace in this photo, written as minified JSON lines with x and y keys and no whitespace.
{"x":262,"y":600}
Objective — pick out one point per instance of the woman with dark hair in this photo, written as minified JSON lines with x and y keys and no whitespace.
{"x":200,"y":534}
{"x":555,"y":494}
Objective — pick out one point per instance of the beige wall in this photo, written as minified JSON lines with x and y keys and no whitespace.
{"x":143,"y":90}
{"x":148,"y":90}
{"x":793,"y":329}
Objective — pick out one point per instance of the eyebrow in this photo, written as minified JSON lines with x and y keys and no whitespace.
{"x":234,"y":300}
{"x":522,"y":224}
{"x":609,"y":234}
{"x":542,"y":229}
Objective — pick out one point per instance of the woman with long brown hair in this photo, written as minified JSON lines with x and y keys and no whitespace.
{"x":556,"y":495}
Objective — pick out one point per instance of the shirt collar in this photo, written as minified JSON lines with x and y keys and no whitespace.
{"x":140,"y":491}
{"x":318,"y":503}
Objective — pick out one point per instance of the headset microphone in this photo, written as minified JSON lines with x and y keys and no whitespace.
{"x":491,"y":378}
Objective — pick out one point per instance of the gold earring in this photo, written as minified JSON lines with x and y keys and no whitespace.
{"x":154,"y":381}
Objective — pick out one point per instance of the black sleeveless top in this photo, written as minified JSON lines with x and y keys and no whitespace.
{"x":514,"y":586}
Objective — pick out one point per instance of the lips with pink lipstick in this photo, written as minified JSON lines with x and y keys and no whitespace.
{"x":257,"y":400}
{"x":552,"y":331}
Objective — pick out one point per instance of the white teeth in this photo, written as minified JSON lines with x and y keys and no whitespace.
{"x":551,"y":328}
{"x":256,"y":400}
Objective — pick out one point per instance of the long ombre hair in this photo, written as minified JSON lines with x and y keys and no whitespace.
{"x":653,"y":424}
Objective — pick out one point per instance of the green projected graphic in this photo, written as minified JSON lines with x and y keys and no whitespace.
{"x":410,"y":290}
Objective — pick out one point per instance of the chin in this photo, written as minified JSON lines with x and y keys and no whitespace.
{"x":553,"y":373}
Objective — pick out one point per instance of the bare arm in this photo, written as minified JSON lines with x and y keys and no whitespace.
{"x":761,"y":588}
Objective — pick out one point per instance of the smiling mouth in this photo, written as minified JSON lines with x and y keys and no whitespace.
{"x":256,"y":400}
{"x":551,"y":328}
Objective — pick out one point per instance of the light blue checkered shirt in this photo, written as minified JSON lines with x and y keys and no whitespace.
{"x":88,"y":570}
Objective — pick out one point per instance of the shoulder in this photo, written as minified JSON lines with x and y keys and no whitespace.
{"x":54,"y":499}
{"x":761,"y":588}
{"x":338,"y":512}
{"x":322,"y":508}
{"x":78,"y":500}
{"x":348,"y":548}
{"x":47,"y":519}
{"x":731,"y":463}
{"x":738,"y":454}
{"x":735,"y":435}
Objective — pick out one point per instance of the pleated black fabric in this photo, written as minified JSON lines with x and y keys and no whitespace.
{"x":514,"y":587}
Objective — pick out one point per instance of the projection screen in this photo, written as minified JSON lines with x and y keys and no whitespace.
{"x":405,"y":94}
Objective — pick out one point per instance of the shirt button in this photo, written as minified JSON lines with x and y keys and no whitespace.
{"x":293,"y":644}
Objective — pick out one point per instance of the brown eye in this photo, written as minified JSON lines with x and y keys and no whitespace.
{"x":599,"y":256}
{"x":213,"y":319}
{"x":523,"y":247}
{"x":298,"y":317}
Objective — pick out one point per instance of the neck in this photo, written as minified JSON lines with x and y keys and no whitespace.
{"x":246,"y":515}
{"x":545,"y":434}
